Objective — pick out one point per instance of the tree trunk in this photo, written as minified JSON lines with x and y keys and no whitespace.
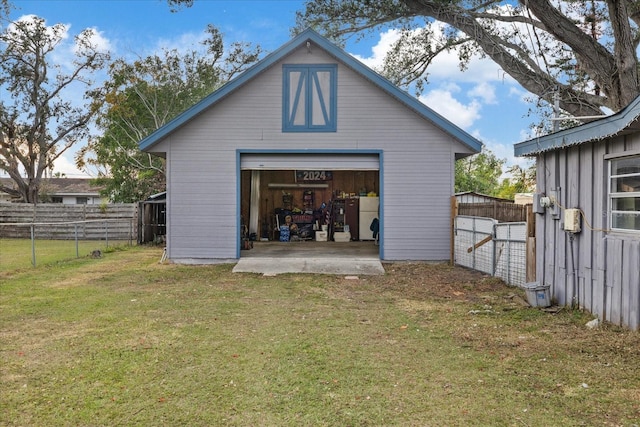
{"x":625,"y":54}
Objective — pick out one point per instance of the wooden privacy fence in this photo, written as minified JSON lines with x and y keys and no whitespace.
{"x":56,"y":221}
{"x":500,"y":211}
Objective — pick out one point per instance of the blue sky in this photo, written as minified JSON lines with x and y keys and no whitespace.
{"x":483,"y":100}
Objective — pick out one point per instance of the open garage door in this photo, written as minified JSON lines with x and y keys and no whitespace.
{"x":308,"y":186}
{"x":314,"y":161}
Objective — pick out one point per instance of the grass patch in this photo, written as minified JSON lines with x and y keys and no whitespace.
{"x":18,"y":253}
{"x":124,"y":340}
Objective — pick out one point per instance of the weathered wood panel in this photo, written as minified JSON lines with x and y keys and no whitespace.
{"x":597,"y":198}
{"x":93,"y":222}
{"x":597,"y":268}
{"x":614,"y":281}
{"x":585,"y":256}
{"x":630,"y":303}
{"x":500,"y":211}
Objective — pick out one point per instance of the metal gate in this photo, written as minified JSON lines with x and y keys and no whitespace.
{"x":494,"y":248}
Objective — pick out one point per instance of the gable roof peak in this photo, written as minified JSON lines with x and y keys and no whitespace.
{"x":310,"y":35}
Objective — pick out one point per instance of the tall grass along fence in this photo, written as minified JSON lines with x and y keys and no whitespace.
{"x":499,"y":249}
{"x":95,"y":226}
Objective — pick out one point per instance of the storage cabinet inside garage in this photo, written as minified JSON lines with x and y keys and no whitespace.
{"x":344,"y":219}
{"x":311,"y":204}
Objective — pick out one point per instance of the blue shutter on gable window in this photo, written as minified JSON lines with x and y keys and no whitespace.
{"x":309,"y":98}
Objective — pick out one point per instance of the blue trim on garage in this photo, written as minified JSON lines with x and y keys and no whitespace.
{"x":380,"y":153}
{"x":309,"y":35}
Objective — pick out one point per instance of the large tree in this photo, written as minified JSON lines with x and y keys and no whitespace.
{"x":583,"y":50}
{"x":38,"y":123}
{"x":143,"y":95}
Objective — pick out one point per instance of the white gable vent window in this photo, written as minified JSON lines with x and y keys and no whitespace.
{"x":309,"y":98}
{"x":624,"y":193}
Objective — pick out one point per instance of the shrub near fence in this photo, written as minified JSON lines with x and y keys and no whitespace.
{"x":91,"y":221}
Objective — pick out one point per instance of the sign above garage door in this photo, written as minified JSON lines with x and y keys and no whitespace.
{"x":310,"y":161}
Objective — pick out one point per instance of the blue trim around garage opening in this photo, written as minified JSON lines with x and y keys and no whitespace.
{"x":380,"y":153}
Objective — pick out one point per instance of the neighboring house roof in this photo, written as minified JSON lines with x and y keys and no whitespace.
{"x":480,"y":195}
{"x":342,"y":56}
{"x":70,"y":186}
{"x":62,"y":186}
{"x":623,"y":122}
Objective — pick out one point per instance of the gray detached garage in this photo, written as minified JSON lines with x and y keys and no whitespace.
{"x":310,"y":133}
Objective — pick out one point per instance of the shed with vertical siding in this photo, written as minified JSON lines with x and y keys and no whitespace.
{"x":308,"y":106}
{"x":592,"y":173}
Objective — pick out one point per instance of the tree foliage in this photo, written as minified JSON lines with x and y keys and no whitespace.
{"x":142,"y":96}
{"x":479,"y":173}
{"x":482,"y":173}
{"x":176,"y":5}
{"x":5,"y":8}
{"x":584,"y":49}
{"x":37,"y":121}
{"x":521,"y":180}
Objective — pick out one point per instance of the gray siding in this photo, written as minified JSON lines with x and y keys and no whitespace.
{"x":600,"y":269}
{"x":417,"y":170}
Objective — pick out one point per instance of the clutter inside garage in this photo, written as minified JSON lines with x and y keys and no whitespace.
{"x":339,"y":206}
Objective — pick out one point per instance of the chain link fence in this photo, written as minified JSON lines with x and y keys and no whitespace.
{"x":47,"y":242}
{"x":44,"y":233}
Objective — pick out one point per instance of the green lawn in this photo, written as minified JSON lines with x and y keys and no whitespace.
{"x":125,"y":340}
{"x":18,"y":253}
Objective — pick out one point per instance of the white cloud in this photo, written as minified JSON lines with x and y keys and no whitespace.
{"x":66,"y":167}
{"x":63,"y":33}
{"x":505,"y":151}
{"x":379,"y":51}
{"x":184,"y":42}
{"x":99,"y":41}
{"x":521,"y":95}
{"x":445,"y":66}
{"x":443,"y":102}
{"x":484,"y":91}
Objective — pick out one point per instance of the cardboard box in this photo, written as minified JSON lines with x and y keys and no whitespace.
{"x":342,"y":236}
{"x":321,"y":236}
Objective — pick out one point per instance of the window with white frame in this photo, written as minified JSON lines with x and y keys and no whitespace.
{"x":309,"y":98}
{"x":624,"y":193}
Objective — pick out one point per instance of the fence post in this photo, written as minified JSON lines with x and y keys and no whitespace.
{"x":509,"y":281}
{"x":454,"y":214}
{"x":494,"y":264}
{"x":33,"y":245}
{"x":106,"y":233}
{"x":473,"y":240}
{"x":531,"y":246}
{"x":75,"y":232}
